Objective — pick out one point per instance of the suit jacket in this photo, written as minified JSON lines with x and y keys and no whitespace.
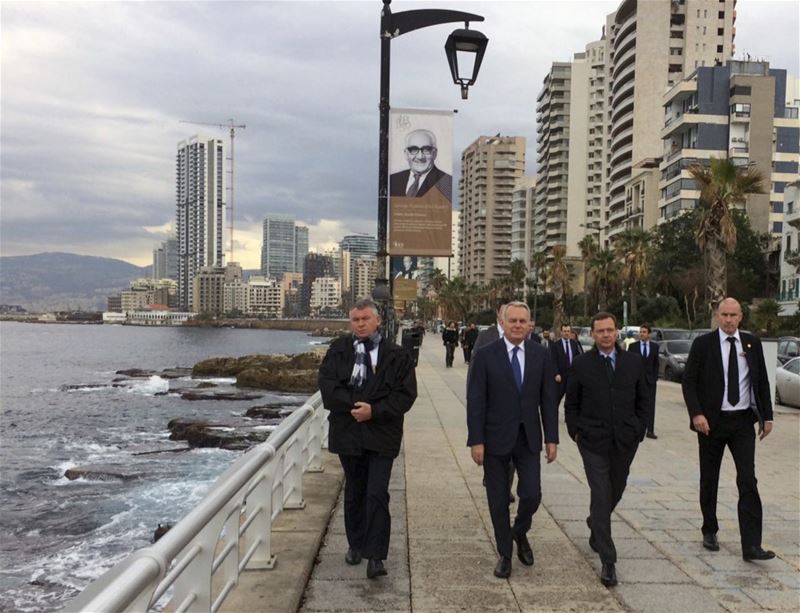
{"x":704,"y":378}
{"x":650,"y":362}
{"x":495,"y":408}
{"x":399,"y":180}
{"x":486,"y":337}
{"x":391,"y":390}
{"x":560,"y":359}
{"x":602,"y":413}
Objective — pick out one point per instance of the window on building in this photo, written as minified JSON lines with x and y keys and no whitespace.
{"x":777,"y":227}
{"x":777,"y":207}
{"x":720,"y":31}
{"x":704,"y":30}
{"x":721,"y":15}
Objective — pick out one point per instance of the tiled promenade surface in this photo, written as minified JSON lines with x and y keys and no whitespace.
{"x":442,"y":553}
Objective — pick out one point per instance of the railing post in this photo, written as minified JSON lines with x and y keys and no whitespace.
{"x":296,"y":460}
{"x":193,"y":585}
{"x":260,"y":533}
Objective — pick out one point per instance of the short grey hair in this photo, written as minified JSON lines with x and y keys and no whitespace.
{"x":431,"y":136}
{"x":518,"y":304}
{"x":366,"y":303}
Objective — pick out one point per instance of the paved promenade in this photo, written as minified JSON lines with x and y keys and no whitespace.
{"x":442,"y":553}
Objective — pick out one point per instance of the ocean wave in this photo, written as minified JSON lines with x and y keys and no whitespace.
{"x":150,"y":386}
{"x":217,"y":380}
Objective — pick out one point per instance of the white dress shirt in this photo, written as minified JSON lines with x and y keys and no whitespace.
{"x":520,"y":355}
{"x":745,"y":389}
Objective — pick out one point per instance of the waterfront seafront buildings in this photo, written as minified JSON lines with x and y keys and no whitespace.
{"x":200,"y":215}
{"x":284,"y":245}
{"x":789,"y":284}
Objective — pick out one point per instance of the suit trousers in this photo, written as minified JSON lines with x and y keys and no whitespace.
{"x":367,"y":521}
{"x":607,"y":474}
{"x":734,"y":429}
{"x":651,"y":415}
{"x":529,"y":491}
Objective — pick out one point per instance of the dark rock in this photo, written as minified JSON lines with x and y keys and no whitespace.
{"x":232,"y":434}
{"x":265,"y":413}
{"x":156,"y":449}
{"x":136,"y":372}
{"x":229,"y":367}
{"x":302,"y":381}
{"x":195,"y":394}
{"x":102,"y":472}
{"x":205,"y":385}
{"x":175,"y":373}
{"x":161,"y":531}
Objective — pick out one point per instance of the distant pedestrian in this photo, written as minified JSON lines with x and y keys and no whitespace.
{"x":649,"y":352}
{"x":367,"y":385}
{"x":450,"y":342}
{"x":605,"y":410}
{"x":726,"y":390}
{"x":546,"y":338}
{"x":564,"y":351}
{"x":470,"y":337}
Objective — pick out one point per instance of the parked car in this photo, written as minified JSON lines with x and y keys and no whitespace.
{"x":585,"y":337}
{"x":788,"y":348}
{"x":672,"y":357}
{"x":787,"y":383}
{"x":670,"y":334}
{"x":699,"y":332}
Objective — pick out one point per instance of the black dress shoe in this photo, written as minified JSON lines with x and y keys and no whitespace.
{"x":503,"y":568}
{"x":710,"y":542}
{"x":352,"y":557}
{"x":651,"y":435}
{"x":524,"y":551}
{"x":756,"y":553}
{"x":608,"y":576}
{"x":375,"y":569}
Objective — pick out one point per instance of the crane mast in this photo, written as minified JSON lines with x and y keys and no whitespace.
{"x":232,"y":126}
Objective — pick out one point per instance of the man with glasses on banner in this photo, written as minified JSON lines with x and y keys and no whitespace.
{"x":422,"y":173}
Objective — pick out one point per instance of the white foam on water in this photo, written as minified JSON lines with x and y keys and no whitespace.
{"x":265,"y":428}
{"x":88,"y":388}
{"x":217,"y":380}
{"x":149,"y":387}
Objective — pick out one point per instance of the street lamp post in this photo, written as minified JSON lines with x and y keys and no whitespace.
{"x":469,"y":44}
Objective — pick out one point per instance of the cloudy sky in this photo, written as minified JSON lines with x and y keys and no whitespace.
{"x":93,"y":94}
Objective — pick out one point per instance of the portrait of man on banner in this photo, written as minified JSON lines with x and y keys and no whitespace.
{"x":420,"y":182}
{"x":405,"y":267}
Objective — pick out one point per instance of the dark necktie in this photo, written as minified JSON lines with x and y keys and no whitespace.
{"x":412,"y":191}
{"x":568,"y":352}
{"x":644,"y":350}
{"x":733,"y":374}
{"x":609,"y":369}
{"x":515,"y":367}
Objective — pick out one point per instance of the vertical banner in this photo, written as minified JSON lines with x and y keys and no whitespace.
{"x":420,"y":182}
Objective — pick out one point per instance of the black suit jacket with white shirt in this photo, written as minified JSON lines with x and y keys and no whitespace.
{"x":495,"y":408}
{"x":650,"y":362}
{"x":704,"y":378}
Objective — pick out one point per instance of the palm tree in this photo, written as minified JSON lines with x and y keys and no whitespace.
{"x":458,"y":298}
{"x":722,"y":185}
{"x":588,"y":247}
{"x":517,"y":274}
{"x":437,"y":279}
{"x":604,"y":267}
{"x":538,"y":259}
{"x":632,"y":249}
{"x":559,"y":282}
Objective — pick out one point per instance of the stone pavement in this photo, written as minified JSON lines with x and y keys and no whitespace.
{"x":442,"y":553}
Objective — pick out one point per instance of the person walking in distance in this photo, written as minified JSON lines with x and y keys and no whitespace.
{"x":511,"y":397}
{"x":564,"y":351}
{"x":649,"y":352}
{"x":470,"y":337}
{"x":606,"y":409}
{"x":450,"y":342}
{"x":726,"y":391}
{"x":367,"y":386}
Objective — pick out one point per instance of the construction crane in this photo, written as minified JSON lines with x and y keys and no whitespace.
{"x":232,"y":126}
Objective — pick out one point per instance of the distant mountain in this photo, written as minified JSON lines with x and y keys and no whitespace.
{"x":64,"y":281}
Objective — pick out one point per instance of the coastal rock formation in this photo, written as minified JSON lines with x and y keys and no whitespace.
{"x":233,"y":434}
{"x":214,"y":394}
{"x":283,"y":373}
{"x":102,"y":472}
{"x":142,"y":373}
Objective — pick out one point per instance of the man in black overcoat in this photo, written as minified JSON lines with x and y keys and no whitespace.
{"x":511,"y":396}
{"x":605,"y":409}
{"x":649,"y":352}
{"x":367,"y":385}
{"x":564,"y":351}
{"x":726,"y":390}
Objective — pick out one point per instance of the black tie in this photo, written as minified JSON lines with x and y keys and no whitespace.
{"x":609,"y":368}
{"x":733,"y":374}
{"x":516,"y":368}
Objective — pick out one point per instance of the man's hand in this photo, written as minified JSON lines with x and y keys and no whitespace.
{"x":362,"y":411}
{"x":477,"y":454}
{"x":558,"y":378}
{"x":762,"y":432}
{"x":550,"y":452}
{"x":700,"y":424}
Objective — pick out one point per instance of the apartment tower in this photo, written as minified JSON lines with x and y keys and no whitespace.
{"x":489,"y":168}
{"x":200,"y":217}
{"x":284,"y":246}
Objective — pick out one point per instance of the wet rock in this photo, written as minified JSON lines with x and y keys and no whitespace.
{"x":206,"y":385}
{"x":81,"y":387}
{"x":134,"y":373}
{"x":197,"y":394}
{"x":157,"y":449}
{"x":231,"y":434}
{"x":102,"y":472}
{"x":266,"y":412}
{"x":230,"y":367}
{"x":302,"y":381}
{"x":161,"y":531}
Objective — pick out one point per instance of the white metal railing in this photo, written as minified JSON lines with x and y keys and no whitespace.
{"x":237,"y":513}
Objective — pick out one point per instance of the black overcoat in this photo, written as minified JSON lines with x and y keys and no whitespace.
{"x":391,"y":390}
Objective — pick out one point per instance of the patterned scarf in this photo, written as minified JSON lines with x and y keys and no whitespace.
{"x":362,"y":346}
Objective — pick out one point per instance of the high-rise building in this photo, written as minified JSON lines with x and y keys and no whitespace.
{"x":165,"y":260}
{"x":278,"y":254}
{"x":326,"y":295}
{"x":735,"y":111}
{"x":300,"y":247}
{"x":522,"y":219}
{"x":316,"y":265}
{"x":365,"y":269}
{"x":351,"y":247}
{"x":265,"y":296}
{"x":200,"y":189}
{"x":489,"y":168}
{"x":359,"y":244}
{"x":651,"y":47}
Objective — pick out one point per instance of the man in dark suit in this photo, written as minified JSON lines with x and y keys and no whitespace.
{"x":649,"y":352}
{"x":367,"y":385}
{"x":564,"y":351}
{"x":511,"y":396}
{"x":726,"y":390}
{"x":605,"y":410}
{"x":422,"y":173}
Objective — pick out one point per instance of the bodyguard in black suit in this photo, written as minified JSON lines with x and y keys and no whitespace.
{"x":649,"y":352}
{"x":367,"y":385}
{"x":605,"y":411}
{"x":564,"y":352}
{"x":511,"y":396}
{"x":726,"y":390}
